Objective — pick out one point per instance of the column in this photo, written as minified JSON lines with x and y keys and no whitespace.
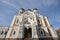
{"x":13,"y":21}
{"x":42,"y":20}
{"x":34,"y":32}
{"x":9,"y":32}
{"x":47,"y":21}
{"x":52,"y":33}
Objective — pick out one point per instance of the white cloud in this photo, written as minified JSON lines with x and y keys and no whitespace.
{"x":3,"y":20}
{"x":50,"y":2}
{"x":43,"y":3}
{"x":57,"y":19}
{"x":6,"y":2}
{"x":31,"y":3}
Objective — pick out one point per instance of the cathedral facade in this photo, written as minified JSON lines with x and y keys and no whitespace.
{"x":29,"y":25}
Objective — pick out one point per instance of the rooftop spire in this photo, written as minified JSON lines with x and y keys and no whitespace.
{"x":29,"y":10}
{"x":35,"y":9}
{"x":21,"y":10}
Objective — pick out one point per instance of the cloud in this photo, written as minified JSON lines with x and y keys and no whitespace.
{"x":30,"y":3}
{"x":7,"y":2}
{"x":42,"y":3}
{"x":58,"y":19}
{"x":3,"y":20}
{"x":49,"y":2}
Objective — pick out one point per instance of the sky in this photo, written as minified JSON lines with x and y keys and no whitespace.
{"x":49,"y":8}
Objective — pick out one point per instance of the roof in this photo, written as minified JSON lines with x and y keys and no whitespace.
{"x":58,"y":30}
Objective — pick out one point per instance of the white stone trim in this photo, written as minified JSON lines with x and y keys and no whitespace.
{"x":13,"y":21}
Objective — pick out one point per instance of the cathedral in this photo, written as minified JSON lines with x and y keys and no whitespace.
{"x":29,"y":25}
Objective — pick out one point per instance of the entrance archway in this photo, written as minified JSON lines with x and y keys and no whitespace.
{"x":27,"y":33}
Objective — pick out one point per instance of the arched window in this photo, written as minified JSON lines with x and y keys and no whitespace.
{"x":41,"y":32}
{"x":14,"y":32}
{"x":2,"y":32}
{"x":5,"y":32}
{"x":17,"y":20}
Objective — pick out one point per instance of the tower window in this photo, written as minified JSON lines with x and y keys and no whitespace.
{"x":21,"y":11}
{"x":38,"y":21}
{"x":5,"y":32}
{"x":17,"y":20}
{"x":35,"y":12}
{"x":42,"y":33}
{"x":30,"y":18}
{"x":1,"y":32}
{"x":14,"y":32}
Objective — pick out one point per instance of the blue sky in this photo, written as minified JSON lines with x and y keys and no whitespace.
{"x":50,"y":8}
